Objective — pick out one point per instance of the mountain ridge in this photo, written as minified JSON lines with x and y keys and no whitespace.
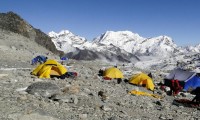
{"x":120,"y":43}
{"x":11,"y":21}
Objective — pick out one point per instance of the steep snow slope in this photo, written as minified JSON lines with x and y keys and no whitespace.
{"x":67,"y":41}
{"x":125,"y":40}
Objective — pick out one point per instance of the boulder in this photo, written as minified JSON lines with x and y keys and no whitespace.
{"x":44,"y":89}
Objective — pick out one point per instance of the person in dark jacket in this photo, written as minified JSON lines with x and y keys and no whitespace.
{"x":150,"y":75}
{"x":100,"y":72}
{"x":196,"y":92}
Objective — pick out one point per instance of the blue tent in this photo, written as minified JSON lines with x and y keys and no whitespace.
{"x":188,"y":80}
{"x":192,"y":83}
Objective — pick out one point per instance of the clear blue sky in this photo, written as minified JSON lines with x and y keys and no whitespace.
{"x":178,"y":19}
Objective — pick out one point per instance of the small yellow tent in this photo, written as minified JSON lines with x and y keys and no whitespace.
{"x":50,"y":67}
{"x":142,"y":79}
{"x":113,"y":73}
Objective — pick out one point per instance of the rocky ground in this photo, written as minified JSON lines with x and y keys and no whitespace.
{"x":86,"y":97}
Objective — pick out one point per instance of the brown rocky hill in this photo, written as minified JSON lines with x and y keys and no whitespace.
{"x":10,"y":21}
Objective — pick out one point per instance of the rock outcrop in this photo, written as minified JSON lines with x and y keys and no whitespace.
{"x":14,"y":23}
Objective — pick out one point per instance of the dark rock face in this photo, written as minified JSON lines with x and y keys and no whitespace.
{"x":44,"y":89}
{"x":83,"y":55}
{"x":91,"y":55}
{"x":14,"y":23}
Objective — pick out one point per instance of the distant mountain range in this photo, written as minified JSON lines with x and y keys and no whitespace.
{"x":126,"y":45}
{"x":120,"y":46}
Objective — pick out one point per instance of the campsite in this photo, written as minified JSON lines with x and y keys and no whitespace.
{"x":38,"y":83}
{"x":89,"y":96}
{"x":29,"y":92}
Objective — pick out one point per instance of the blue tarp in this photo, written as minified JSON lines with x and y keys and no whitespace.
{"x":39,"y":58}
{"x":63,"y":58}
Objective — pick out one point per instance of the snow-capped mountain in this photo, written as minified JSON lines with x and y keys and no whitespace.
{"x":120,"y":43}
{"x":125,"y":40}
{"x":161,"y":45}
{"x":67,"y":41}
{"x":133,"y":43}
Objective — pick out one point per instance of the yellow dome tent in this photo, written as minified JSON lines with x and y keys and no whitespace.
{"x":113,"y":73}
{"x":142,"y":79}
{"x":50,"y":67}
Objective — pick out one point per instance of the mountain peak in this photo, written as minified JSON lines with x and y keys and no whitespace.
{"x":118,"y":38}
{"x":66,"y":40}
{"x":113,"y":34}
{"x":61,"y":33}
{"x":64,"y":32}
